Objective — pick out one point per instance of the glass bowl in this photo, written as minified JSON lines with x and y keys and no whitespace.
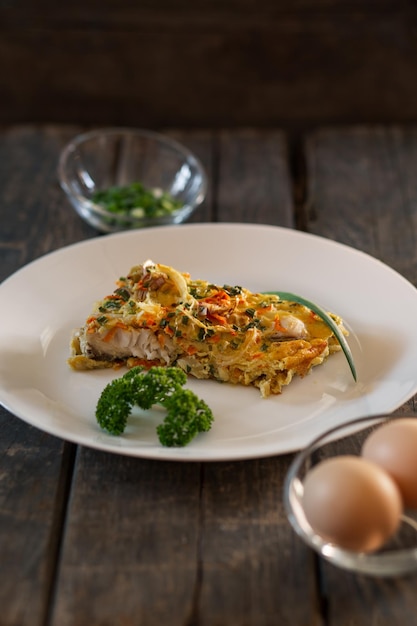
{"x":117,"y":157}
{"x":399,"y":555}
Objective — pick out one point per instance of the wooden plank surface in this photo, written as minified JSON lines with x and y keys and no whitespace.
{"x":181,"y":543}
{"x":210,"y":64}
{"x":35,"y":467}
{"x":131,"y":548}
{"x":139,"y":541}
{"x":35,"y":216}
{"x":361,"y":190}
{"x":253,"y":183}
{"x":253,"y":571}
{"x":200,"y":537}
{"x":34,"y":470}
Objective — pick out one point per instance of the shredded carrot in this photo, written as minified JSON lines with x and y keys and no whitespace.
{"x":149,"y":319}
{"x":217,"y":318}
{"x":263,"y":309}
{"x":278,"y":325}
{"x":220,"y":297}
{"x":110,"y":334}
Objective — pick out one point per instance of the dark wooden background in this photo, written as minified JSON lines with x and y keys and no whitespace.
{"x":208,"y":63}
{"x":339,"y":78}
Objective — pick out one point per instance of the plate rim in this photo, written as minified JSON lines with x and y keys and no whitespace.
{"x":187,"y":454}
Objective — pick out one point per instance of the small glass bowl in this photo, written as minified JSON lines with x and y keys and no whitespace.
{"x":101,"y":159}
{"x":399,"y":555}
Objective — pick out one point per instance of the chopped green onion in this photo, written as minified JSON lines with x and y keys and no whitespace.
{"x":123,"y":293}
{"x":136,"y":200}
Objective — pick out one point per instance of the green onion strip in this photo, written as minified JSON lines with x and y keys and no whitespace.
{"x":284,"y":295}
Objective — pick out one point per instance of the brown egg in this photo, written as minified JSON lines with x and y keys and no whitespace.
{"x":394,"y":447}
{"x":352,"y":503}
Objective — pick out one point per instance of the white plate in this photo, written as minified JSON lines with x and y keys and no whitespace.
{"x":45,"y":300}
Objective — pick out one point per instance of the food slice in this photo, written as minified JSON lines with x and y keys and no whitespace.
{"x":160,"y":316}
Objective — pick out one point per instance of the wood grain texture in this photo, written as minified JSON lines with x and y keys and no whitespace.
{"x":210,"y":64}
{"x":131,"y":548}
{"x":253,"y":183}
{"x":149,"y":547}
{"x":34,"y":468}
{"x":95,"y":539}
{"x":353,"y":599}
{"x":362,"y":191}
{"x":229,"y":13}
{"x":253,"y":571}
{"x":36,"y":218}
{"x":183,"y":544}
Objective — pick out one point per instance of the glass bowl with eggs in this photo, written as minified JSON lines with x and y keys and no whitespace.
{"x":123,"y":178}
{"x":351,"y":495}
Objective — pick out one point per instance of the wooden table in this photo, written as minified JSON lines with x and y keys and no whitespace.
{"x":89,"y":538}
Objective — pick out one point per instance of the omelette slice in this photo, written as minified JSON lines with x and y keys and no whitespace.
{"x":160,"y":316}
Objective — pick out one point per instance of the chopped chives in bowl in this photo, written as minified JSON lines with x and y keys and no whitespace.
{"x":136,"y":200}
